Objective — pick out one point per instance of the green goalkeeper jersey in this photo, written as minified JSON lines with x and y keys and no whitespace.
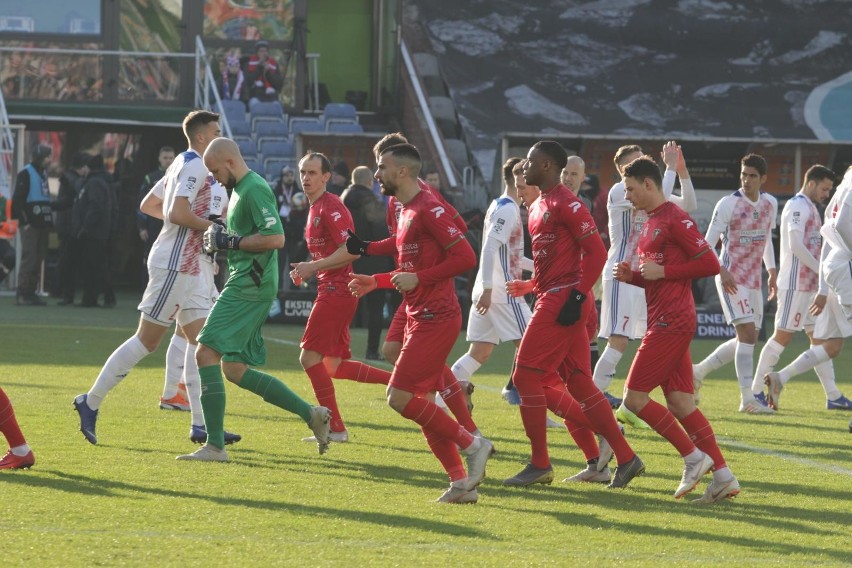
{"x":252,"y":210}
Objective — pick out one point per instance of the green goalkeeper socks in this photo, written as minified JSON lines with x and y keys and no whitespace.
{"x":213,"y":404}
{"x":275,"y":392}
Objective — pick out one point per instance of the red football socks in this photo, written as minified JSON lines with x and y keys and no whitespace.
{"x":701,"y":433}
{"x":8,"y":423}
{"x":361,"y":372}
{"x":664,"y":423}
{"x":324,"y":391}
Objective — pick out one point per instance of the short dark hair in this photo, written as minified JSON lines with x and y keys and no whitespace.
{"x":406,"y":152}
{"x":554,"y":151}
{"x":509,"y":168}
{"x":519,"y":167}
{"x":388,"y":140}
{"x":167,"y":149}
{"x":643,"y":168}
{"x":196,"y":119}
{"x":325,"y":163}
{"x":818,"y":172}
{"x":624,"y":151}
{"x":755,"y":161}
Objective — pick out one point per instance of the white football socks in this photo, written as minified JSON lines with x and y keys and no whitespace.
{"x":723,"y":355}
{"x":465,"y":367}
{"x":115,"y":369}
{"x":175,"y":356}
{"x":193,"y":385}
{"x":605,"y":369}
{"x":744,"y":365}
{"x":804,"y":362}
{"x":769,"y":356}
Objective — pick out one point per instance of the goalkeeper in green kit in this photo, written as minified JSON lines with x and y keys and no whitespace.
{"x":230,"y":342}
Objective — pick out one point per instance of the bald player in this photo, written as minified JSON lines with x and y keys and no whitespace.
{"x":230,"y":342}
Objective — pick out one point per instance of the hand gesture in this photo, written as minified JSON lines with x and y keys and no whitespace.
{"x":670,"y":154}
{"x":622,"y":272}
{"x":361,"y":284}
{"x":355,"y":245}
{"x":729,"y":285}
{"x":405,"y":281}
{"x":484,"y":302}
{"x":650,"y":270}
{"x":517,"y":288}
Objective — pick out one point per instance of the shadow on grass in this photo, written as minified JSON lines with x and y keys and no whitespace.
{"x":85,"y":485}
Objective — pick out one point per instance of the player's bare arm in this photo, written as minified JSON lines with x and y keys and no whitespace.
{"x":772,"y":283}
{"x":181,"y":214}
{"x":152,"y":206}
{"x":339,"y":258}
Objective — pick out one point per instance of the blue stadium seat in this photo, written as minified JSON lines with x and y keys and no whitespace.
{"x":240,"y":129}
{"x":344,"y":112}
{"x":273,"y":166}
{"x":247,"y":146}
{"x":271,"y":129}
{"x":235,"y":111}
{"x":273,"y":148}
{"x":304,"y":124}
{"x":345,"y":127}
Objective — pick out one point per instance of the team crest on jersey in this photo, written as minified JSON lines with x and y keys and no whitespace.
{"x":498,"y":225}
{"x":756,"y":214}
{"x":545,"y":217}
{"x":316,"y":221}
{"x":656,"y":234}
{"x":585,"y":226}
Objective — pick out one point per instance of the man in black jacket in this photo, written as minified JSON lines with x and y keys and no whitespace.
{"x":31,"y":207}
{"x":148,"y":226}
{"x":92,"y":219}
{"x":70,"y":184}
{"x":368,"y":214}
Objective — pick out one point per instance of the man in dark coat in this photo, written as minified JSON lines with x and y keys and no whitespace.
{"x":70,"y":184}
{"x":92,"y":220}
{"x":31,"y":207}
{"x":368,"y":214}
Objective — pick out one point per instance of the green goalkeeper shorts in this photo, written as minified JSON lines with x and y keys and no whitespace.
{"x":233,"y":329}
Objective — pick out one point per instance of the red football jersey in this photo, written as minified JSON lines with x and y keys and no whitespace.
{"x":426,"y":230}
{"x":395,"y":208}
{"x":557,"y":221}
{"x":325,"y":232}
{"x":670,"y":237}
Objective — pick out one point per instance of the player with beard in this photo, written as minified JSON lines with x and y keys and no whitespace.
{"x":230,"y":342}
{"x":431,"y":253}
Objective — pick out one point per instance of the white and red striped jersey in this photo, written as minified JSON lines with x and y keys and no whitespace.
{"x":800,"y":223}
{"x":177,"y":247}
{"x":745,"y":228}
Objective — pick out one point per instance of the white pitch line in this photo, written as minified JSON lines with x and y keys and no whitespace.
{"x":787,"y":457}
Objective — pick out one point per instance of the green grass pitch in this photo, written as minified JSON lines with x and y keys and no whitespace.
{"x":370,"y":502}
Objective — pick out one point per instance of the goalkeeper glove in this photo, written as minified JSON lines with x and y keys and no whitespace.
{"x":354,"y":245}
{"x":570,"y":312}
{"x":215,"y":238}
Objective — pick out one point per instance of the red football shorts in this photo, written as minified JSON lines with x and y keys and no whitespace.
{"x":662,"y":360}
{"x":396,"y":329}
{"x":327,"y":331}
{"x":425,"y":349}
{"x":592,"y":319}
{"x":547,"y":345}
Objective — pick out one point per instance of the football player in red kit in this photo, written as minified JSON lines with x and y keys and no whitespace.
{"x":325,"y":343}
{"x":568,"y":255}
{"x":431,"y":253}
{"x":671,"y":254}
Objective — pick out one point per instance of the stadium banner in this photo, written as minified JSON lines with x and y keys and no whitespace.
{"x":295,"y":307}
{"x":712,"y":325}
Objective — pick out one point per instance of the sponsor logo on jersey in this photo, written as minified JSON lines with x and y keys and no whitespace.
{"x":452,"y":231}
{"x":438,"y":211}
{"x":585,"y":226}
{"x":498,"y":225}
{"x":335,"y":216}
{"x":574,"y":206}
{"x":270,"y":221}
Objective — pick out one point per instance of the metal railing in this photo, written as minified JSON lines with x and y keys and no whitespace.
{"x":449,"y":168}
{"x":7,"y":151}
{"x":205,"y":84}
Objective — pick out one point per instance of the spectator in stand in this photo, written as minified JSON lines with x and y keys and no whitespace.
{"x":368,"y":214}
{"x":284,"y":190}
{"x":149,"y":227}
{"x":590,"y":192}
{"x":263,"y":75}
{"x":31,"y":207}
{"x":92,"y":221}
{"x":233,"y":84}
{"x":339,"y":178}
{"x":70,"y":184}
